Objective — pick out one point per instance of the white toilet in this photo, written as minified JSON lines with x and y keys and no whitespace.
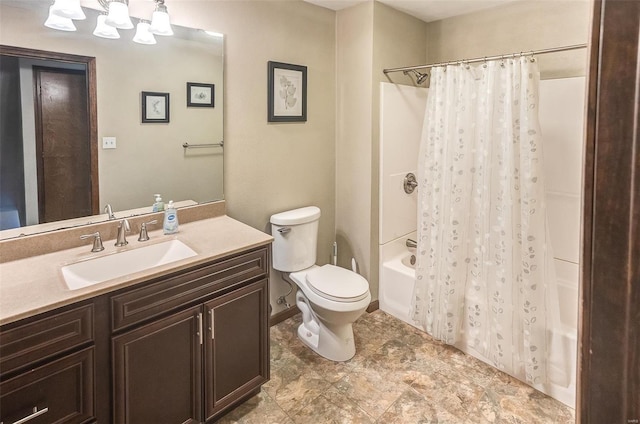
{"x":330,"y":298}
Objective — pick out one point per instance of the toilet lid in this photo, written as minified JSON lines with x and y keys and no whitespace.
{"x":339,"y":284}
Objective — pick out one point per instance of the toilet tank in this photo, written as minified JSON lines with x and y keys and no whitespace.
{"x":295,"y":235}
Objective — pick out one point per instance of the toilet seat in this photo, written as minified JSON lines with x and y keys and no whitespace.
{"x":337,"y":284}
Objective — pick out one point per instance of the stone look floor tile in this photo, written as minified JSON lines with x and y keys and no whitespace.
{"x":260,"y":409}
{"x":332,"y":407}
{"x":294,"y":384}
{"x":399,"y":375}
{"x":507,"y":398}
{"x":410,"y":407}
{"x":372,"y":389}
{"x":455,"y":361}
{"x":329,"y":370}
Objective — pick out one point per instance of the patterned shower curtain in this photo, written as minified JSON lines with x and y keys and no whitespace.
{"x":483,"y":257}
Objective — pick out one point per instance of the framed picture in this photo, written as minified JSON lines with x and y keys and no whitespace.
{"x":200,"y":95}
{"x":155,"y":107}
{"x":287,"y":93}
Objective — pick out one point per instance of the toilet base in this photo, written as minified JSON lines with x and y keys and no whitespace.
{"x":336,"y":344}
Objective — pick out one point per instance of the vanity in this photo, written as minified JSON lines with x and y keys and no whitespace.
{"x":180,"y":342}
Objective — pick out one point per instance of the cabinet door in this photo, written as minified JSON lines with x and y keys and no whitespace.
{"x":158,"y":372}
{"x":236,"y":346}
{"x":60,"y":391}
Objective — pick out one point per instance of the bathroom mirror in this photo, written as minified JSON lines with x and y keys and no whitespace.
{"x":148,"y":157}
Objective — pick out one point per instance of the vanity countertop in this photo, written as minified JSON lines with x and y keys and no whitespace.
{"x":33,"y":285}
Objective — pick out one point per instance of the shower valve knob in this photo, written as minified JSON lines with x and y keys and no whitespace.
{"x":410,"y":183}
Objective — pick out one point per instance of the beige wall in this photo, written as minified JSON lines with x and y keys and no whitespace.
{"x":371,"y":37}
{"x":353,"y":138}
{"x":270,"y":168}
{"x":517,"y":27}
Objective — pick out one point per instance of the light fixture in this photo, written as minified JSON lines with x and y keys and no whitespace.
{"x":143,"y":35}
{"x":103,"y":30}
{"x":118,"y":16}
{"x":59,"y":23}
{"x":160,"y":24}
{"x":69,"y":9}
{"x":115,"y":16}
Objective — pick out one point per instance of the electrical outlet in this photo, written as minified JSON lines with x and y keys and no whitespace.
{"x":108,"y":142}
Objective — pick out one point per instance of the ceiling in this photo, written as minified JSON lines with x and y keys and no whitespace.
{"x":426,"y":10}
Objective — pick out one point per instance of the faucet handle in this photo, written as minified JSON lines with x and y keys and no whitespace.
{"x":144,"y":236}
{"x":97,"y":241}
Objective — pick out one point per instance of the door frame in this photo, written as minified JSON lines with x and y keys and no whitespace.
{"x":92,"y":113}
{"x":609,"y":333}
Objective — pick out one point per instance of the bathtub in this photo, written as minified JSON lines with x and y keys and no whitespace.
{"x":397,"y":278}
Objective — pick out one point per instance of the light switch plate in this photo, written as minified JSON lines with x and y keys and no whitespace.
{"x":108,"y":142}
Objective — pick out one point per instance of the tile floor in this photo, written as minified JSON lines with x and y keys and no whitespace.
{"x":398,"y":375}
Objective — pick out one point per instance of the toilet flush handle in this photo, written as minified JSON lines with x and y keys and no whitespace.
{"x":284,"y":230}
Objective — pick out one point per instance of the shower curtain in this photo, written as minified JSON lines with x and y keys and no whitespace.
{"x":483,"y":251}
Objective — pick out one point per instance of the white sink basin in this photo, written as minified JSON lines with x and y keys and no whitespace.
{"x":94,"y":271}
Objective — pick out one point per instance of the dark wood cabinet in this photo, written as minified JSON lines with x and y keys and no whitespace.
{"x":212,"y":351}
{"x":60,"y":391}
{"x":236,"y":346}
{"x":47,"y":368}
{"x":157,"y":371}
{"x":158,"y":367}
{"x":184,"y":347}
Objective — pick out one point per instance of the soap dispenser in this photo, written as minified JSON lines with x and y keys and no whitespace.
{"x":158,"y":206}
{"x":170,"y":219}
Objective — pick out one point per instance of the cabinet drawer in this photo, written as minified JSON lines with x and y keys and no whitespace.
{"x":167,"y":294}
{"x":43,"y":338}
{"x":58,"y":392}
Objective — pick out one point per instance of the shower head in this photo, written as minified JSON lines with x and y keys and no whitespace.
{"x":420,"y":77}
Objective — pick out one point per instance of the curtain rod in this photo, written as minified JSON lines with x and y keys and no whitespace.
{"x":487,"y":58}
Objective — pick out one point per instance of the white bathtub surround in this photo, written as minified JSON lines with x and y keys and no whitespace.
{"x":401,"y":119}
{"x":483,"y":252}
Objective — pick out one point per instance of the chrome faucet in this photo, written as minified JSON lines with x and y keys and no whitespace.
{"x":109,"y":212}
{"x":411,"y":243}
{"x":123,"y":228}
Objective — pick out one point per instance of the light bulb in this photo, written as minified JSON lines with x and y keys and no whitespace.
{"x":118,"y":16}
{"x":160,"y":24}
{"x":103,"y":30}
{"x":59,"y":23}
{"x":69,"y":9}
{"x":143,"y":36}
